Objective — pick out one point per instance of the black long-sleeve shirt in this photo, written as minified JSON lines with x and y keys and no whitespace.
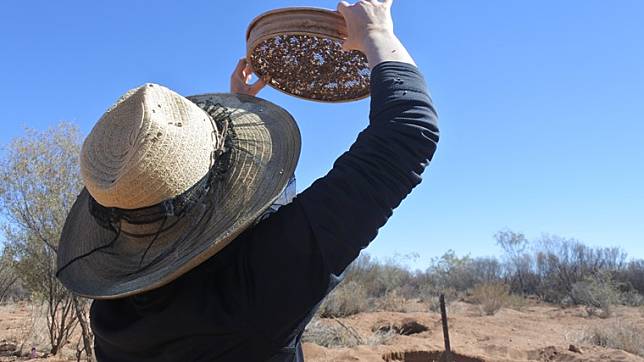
{"x":252,"y":300}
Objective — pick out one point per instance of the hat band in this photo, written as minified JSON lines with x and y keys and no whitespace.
{"x":178,"y":205}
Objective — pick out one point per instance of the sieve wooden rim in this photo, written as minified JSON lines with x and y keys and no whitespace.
{"x":298,"y":20}
{"x":310,"y":21}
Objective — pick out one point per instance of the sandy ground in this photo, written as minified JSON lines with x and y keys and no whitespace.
{"x":535,"y":333}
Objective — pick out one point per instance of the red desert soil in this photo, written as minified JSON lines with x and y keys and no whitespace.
{"x":536,"y":333}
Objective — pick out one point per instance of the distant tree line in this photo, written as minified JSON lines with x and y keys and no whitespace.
{"x":551,"y":269}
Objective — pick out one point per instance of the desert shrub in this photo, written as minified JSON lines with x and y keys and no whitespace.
{"x":598,"y":293}
{"x":431,"y":297}
{"x":632,"y":298}
{"x":633,"y":275}
{"x":552,"y":268}
{"x":378,"y":278}
{"x":390,"y":302}
{"x":330,"y":335}
{"x":462,"y":273}
{"x":486,"y":269}
{"x":617,"y":335}
{"x":516,"y":302}
{"x":491,"y":297}
{"x":348,"y":298}
{"x":415,"y":285}
{"x":450,"y":271}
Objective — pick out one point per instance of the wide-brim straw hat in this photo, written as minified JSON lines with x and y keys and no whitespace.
{"x":169,"y":182}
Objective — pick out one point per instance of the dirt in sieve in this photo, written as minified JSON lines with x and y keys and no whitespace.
{"x":312,"y":67}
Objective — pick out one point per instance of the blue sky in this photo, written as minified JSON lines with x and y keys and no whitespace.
{"x":541,"y":103}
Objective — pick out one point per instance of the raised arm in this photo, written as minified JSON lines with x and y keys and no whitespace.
{"x":291,"y":258}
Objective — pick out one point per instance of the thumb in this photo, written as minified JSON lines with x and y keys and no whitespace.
{"x":346,"y":46}
{"x":342,"y":6}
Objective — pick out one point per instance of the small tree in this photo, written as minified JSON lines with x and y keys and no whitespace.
{"x":39,"y":181}
{"x":518,"y":260}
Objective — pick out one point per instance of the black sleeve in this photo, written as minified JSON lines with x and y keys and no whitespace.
{"x":292,"y":257}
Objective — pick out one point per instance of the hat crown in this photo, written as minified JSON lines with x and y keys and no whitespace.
{"x":151,"y":145}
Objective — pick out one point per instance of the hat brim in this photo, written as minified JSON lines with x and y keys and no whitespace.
{"x":105,"y":264}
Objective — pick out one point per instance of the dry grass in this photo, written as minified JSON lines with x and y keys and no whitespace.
{"x":491,"y":297}
{"x":618,"y":335}
{"x":347,"y":299}
{"x":381,"y":337}
{"x":330,"y":335}
{"x":32,"y":331}
{"x":333,"y":333}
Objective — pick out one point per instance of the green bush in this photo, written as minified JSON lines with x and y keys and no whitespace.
{"x":598,"y":293}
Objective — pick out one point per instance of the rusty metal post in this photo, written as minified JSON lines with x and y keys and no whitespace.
{"x":448,"y":349}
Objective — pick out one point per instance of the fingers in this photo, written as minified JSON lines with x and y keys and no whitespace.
{"x":346,"y":46}
{"x":243,"y":71}
{"x":342,"y":6}
{"x":247,"y":73}
{"x":241,"y":64}
{"x":254,"y":88}
{"x":241,"y":77}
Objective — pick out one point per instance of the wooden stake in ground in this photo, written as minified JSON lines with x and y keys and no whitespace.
{"x":447,"y":356}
